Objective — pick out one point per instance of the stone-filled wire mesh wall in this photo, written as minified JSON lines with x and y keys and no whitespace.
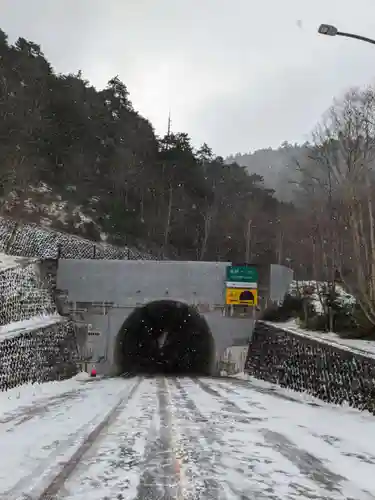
{"x":31,"y":240}
{"x":43,"y":355}
{"x":28,"y":291}
{"x":37,"y":354}
{"x":305,"y":364}
{"x":23,"y":295}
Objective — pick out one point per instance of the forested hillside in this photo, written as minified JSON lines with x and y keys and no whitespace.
{"x":278,"y":167}
{"x":84,"y":160}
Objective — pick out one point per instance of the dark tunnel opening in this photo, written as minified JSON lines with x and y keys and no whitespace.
{"x":165,"y":337}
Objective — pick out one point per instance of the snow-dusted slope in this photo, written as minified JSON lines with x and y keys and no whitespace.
{"x":31,"y":240}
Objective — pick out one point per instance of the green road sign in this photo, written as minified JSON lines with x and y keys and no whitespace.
{"x":242,"y":274}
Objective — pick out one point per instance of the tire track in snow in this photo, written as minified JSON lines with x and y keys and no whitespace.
{"x":272,"y":390}
{"x":48,"y":488}
{"x":161,"y":474}
{"x":116,"y":461}
{"x":309,"y":465}
{"x":201,"y":458}
{"x":242,"y":416}
{"x":26,"y":413}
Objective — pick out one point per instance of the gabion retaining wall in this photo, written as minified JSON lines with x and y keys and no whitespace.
{"x":46,"y":354}
{"x":34,"y":354}
{"x":308,"y":365}
{"x":23,"y":294}
{"x":31,"y":240}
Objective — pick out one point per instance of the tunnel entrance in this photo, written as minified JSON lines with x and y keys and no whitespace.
{"x":165,"y":337}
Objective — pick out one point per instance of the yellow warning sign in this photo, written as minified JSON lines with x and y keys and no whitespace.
{"x":241,"y":296}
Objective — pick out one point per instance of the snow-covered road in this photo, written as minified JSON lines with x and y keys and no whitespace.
{"x":174,"y":438}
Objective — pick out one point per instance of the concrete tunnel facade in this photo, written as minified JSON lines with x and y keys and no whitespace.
{"x":109,"y":296}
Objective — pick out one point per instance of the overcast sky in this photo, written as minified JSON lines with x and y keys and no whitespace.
{"x":237,"y":74}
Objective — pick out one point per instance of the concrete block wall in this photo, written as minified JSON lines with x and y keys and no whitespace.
{"x":305,"y":364}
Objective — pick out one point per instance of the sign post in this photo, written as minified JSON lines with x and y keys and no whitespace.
{"x":241,"y":286}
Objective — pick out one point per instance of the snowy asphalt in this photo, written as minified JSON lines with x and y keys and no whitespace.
{"x":177,"y":438}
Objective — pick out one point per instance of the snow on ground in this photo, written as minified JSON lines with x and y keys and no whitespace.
{"x":286,"y":393}
{"x":265,"y":445}
{"x":8,"y":261}
{"x":43,"y":425}
{"x":363,"y":347}
{"x":28,"y":395}
{"x":240,"y":376}
{"x":212,"y":438}
{"x":84,"y":377}
{"x":116,"y":464}
{"x":315,"y":291}
{"x":29,"y":325}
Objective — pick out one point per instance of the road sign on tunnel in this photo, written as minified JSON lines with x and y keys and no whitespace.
{"x":242,"y":274}
{"x":241,"y":296}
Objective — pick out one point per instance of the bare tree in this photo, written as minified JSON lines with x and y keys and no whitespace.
{"x":345,"y":150}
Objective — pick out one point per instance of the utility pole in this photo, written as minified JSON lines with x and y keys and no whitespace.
{"x":169,"y":124}
{"x":170,"y":202}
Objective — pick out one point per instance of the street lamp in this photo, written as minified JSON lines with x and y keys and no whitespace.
{"x":329,"y":30}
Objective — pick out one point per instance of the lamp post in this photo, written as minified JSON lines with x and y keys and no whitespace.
{"x":329,"y":30}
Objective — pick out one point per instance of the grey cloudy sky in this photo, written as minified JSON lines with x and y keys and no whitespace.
{"x":237,"y":74}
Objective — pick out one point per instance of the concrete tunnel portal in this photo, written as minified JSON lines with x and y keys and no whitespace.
{"x":165,"y":337}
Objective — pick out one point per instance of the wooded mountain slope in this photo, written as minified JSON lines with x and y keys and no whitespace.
{"x":85,"y":161}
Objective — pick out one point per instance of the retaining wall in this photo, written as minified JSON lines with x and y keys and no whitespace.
{"x":31,"y":240}
{"x":38,"y":354}
{"x":36,"y":343}
{"x":23,"y":294}
{"x":304,"y":364}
